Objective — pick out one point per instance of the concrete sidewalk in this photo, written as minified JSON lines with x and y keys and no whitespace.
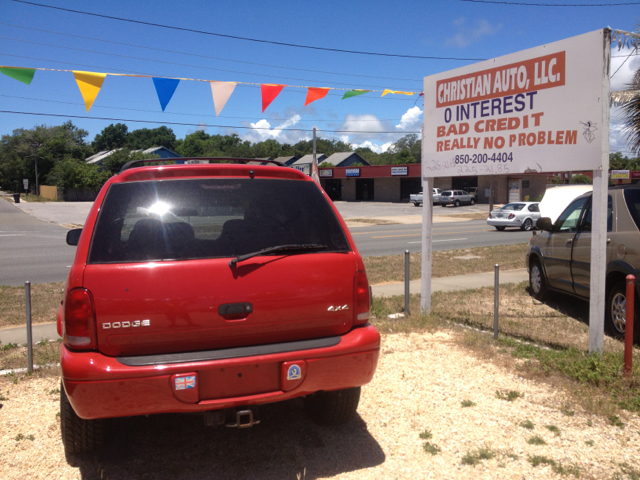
{"x":48,"y":331}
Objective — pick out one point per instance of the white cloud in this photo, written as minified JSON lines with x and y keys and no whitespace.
{"x":363,"y":126}
{"x":410,"y":119}
{"x":374,"y":147}
{"x":261,"y":130}
{"x":622,"y":71}
{"x":467,"y":35}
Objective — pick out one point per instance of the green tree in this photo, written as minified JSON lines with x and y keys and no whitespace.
{"x":617,"y":161}
{"x":404,"y":157}
{"x":144,"y":138}
{"x":631,"y":109}
{"x":114,"y":162}
{"x":581,"y":179}
{"x":410,"y":143}
{"x":73,"y":173}
{"x":111,"y":137}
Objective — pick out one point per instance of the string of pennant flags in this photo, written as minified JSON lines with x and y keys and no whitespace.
{"x":90,"y":84}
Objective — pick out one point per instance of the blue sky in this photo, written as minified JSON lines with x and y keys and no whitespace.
{"x":453,"y":29}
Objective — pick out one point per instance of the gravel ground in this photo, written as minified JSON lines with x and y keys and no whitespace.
{"x":421,"y":380}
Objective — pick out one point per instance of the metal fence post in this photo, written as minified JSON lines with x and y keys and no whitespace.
{"x":27,"y":294}
{"x":628,"y":327}
{"x":406,"y":284}
{"x":496,"y":301}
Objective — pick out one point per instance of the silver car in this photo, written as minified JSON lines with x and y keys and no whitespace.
{"x":522,"y":215}
{"x":456,"y":198}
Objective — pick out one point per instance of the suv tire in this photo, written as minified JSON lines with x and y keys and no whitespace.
{"x":472,"y":202}
{"x":332,"y":408}
{"x":500,"y":229}
{"x":78,"y":435}
{"x":417,"y":204}
{"x":457,"y":204}
{"x":537,"y":282}
{"x":614,"y":318}
{"x":527,"y":225}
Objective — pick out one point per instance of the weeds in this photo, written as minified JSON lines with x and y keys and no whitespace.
{"x":20,"y":437}
{"x":552,"y":428}
{"x":615,"y":421}
{"x":473,"y":457}
{"x":536,"y":440}
{"x":9,"y":346}
{"x":55,"y":391}
{"x":426,"y":434}
{"x":589,"y":443}
{"x":626,"y":472}
{"x":567,"y":412}
{"x":467,"y":403}
{"x":557,"y":467}
{"x":431,"y":448}
{"x":508,"y":395}
{"x":528,"y":424}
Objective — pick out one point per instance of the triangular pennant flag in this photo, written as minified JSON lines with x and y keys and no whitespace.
{"x":89,"y":84}
{"x":396,"y":92}
{"x":221,"y":91}
{"x":314,"y":94}
{"x":165,"y":87}
{"x":269,"y":94}
{"x":24,"y":75}
{"x":354,"y":93}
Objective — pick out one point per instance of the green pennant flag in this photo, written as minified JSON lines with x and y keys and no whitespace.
{"x":354,"y":93}
{"x":24,"y":75}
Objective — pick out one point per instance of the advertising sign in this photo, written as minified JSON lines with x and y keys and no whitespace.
{"x":25,"y":183}
{"x":398,"y":171}
{"x":537,"y":110}
{"x":328,"y":172}
{"x":619,"y":174}
{"x":352,"y":172}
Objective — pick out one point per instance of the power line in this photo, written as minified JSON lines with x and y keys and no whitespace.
{"x":188,"y":65}
{"x":248,"y":39}
{"x":549,"y":4}
{"x":188,"y":114}
{"x":625,"y":61}
{"x":356,"y":132}
{"x":211,"y":57}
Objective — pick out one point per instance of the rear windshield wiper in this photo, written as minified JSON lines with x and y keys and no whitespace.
{"x":281,"y":248}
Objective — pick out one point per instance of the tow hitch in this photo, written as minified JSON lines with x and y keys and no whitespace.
{"x":244,"y":419}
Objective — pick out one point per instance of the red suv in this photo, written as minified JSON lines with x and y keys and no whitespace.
{"x":212,"y":288}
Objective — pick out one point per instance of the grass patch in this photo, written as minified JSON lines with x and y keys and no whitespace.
{"x":557,"y":467}
{"x":473,"y":457}
{"x":467,"y":403}
{"x":567,"y":412}
{"x":627,"y":472}
{"x":45,"y":300}
{"x":390,"y":268}
{"x":615,"y":421}
{"x":426,"y":434}
{"x":431,"y":448}
{"x":553,"y":429}
{"x":528,"y":424}
{"x":589,"y":443}
{"x":536,"y":440}
{"x":508,"y":395}
{"x":46,"y":354}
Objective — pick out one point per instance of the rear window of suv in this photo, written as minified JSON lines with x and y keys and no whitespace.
{"x":632,"y":197}
{"x":211,"y":218}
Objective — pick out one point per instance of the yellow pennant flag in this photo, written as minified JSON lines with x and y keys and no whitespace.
{"x":89,"y":84}
{"x":396,"y":92}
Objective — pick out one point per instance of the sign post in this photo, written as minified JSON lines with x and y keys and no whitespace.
{"x":25,"y":184}
{"x":545,"y":109}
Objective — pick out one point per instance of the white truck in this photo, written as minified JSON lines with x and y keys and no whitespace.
{"x":417,"y":199}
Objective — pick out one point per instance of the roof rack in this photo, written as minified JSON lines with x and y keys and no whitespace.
{"x":134,"y":163}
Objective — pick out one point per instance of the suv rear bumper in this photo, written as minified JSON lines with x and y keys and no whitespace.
{"x":99,"y":386}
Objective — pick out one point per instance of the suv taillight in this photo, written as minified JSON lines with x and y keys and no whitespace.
{"x":361,"y":301}
{"x":79,"y":320}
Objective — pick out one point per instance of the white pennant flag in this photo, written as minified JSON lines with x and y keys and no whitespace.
{"x":221,"y":91}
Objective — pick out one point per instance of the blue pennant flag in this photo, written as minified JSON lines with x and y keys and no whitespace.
{"x":165,"y":87}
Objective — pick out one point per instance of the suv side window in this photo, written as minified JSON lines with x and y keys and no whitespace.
{"x":632,"y":198}
{"x":586,"y":223}
{"x":534,"y":208}
{"x":568,"y":221}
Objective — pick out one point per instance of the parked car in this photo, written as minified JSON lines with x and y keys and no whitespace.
{"x":559,"y":258}
{"x":456,"y":198}
{"x":417,"y":198}
{"x":473,"y":191}
{"x":212,"y":288}
{"x":522,"y":215}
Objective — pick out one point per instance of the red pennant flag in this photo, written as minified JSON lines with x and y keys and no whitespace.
{"x":314,"y":94}
{"x":269,"y":94}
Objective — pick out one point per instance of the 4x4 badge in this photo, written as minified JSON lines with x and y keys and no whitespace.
{"x":135,"y":323}
{"x":338,"y":308}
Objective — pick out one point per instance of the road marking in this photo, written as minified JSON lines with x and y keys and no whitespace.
{"x":14,"y":235}
{"x":439,"y":233}
{"x":446,"y":240}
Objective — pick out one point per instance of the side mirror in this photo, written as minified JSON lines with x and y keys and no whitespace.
{"x":73,"y":236}
{"x":545,"y":224}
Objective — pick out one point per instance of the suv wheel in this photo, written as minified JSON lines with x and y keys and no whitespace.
{"x":615,"y":314}
{"x":417,"y":204}
{"x":78,"y":435}
{"x":527,"y":225}
{"x":457,"y":204}
{"x":472,"y":202}
{"x":537,"y":282}
{"x":332,"y":408}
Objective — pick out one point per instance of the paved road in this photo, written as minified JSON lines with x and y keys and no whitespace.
{"x":393,"y":239}
{"x":31,"y":249}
